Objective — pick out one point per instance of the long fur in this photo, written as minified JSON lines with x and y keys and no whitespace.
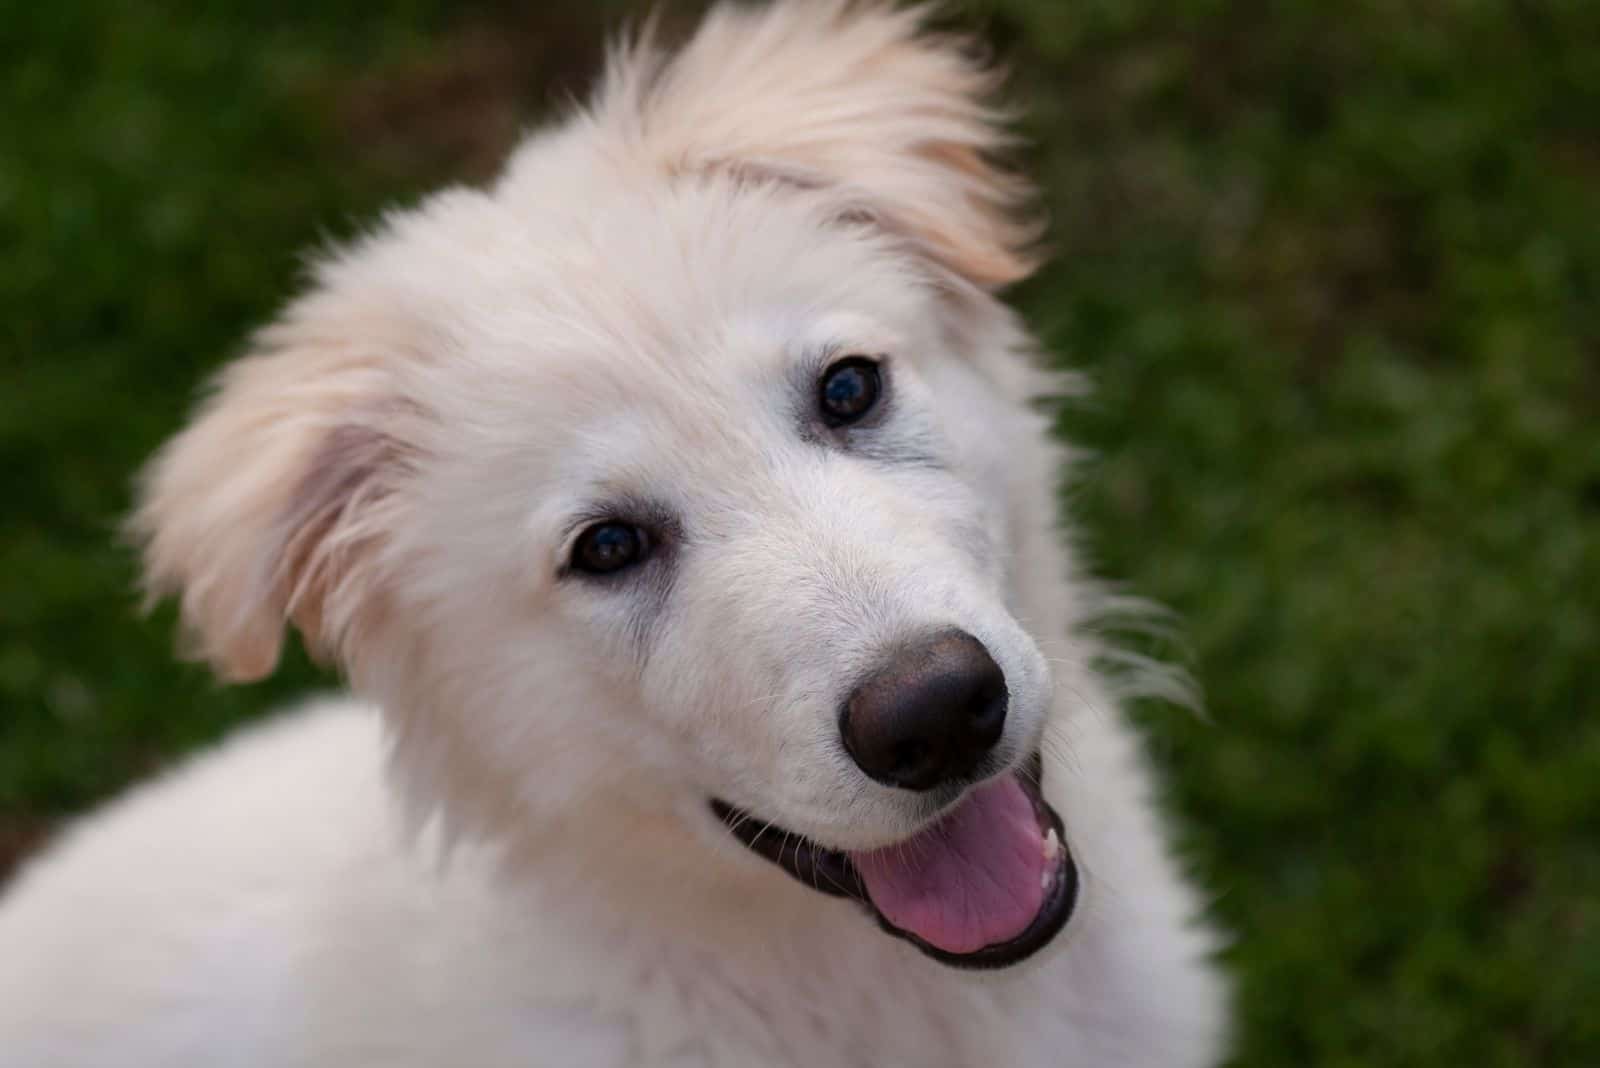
{"x":629,"y":320}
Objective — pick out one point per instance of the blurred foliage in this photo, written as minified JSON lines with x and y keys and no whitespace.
{"x":1334,"y":269}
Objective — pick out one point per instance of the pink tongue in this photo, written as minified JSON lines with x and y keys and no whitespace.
{"x":974,"y":879}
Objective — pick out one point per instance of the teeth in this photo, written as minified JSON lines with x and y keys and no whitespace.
{"x":1052,"y":849}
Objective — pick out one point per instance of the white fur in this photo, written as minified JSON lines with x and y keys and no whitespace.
{"x":508,"y":857}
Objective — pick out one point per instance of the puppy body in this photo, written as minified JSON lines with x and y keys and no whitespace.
{"x":261,"y":907}
{"x":510,"y":857}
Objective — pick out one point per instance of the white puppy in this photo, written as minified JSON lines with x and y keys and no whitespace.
{"x":677,"y":507}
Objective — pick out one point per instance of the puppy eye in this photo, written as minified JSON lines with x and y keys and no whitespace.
{"x":849,"y":389}
{"x":609,"y":547}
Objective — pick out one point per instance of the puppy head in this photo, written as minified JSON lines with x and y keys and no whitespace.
{"x":677,"y":465}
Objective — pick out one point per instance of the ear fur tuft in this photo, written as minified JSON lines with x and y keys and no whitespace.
{"x":271,"y":505}
{"x":856,"y":95}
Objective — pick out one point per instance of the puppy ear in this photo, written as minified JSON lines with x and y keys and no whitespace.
{"x":857,"y":96}
{"x":273,"y":504}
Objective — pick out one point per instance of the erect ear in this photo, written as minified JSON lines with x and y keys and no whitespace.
{"x":857,"y":96}
{"x":274,"y":504}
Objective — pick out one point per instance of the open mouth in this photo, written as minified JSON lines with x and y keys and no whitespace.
{"x":986,"y":885}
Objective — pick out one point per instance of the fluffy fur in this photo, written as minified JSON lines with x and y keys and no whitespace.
{"x":502,"y":853}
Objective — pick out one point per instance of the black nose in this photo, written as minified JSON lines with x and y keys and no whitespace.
{"x":929,"y":716}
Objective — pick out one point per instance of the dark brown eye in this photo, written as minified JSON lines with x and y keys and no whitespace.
{"x":848,"y":390}
{"x":608,"y":547}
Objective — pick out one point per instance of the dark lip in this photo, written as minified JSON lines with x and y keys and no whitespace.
{"x":831,"y":871}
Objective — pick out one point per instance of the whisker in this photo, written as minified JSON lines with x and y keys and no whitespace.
{"x":767,"y":827}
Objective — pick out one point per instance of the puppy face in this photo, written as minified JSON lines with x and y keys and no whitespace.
{"x":638,"y":512}
{"x":682,"y":465}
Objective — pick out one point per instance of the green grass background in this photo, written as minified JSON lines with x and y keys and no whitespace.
{"x":1335,"y":268}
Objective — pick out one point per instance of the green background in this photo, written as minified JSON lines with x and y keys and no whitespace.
{"x":1334,"y":268}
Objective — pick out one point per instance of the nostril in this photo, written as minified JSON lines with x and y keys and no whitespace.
{"x":989,"y":714}
{"x":909,"y":760}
